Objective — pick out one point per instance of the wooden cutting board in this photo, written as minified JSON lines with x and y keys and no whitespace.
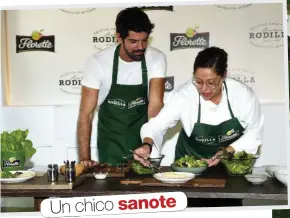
{"x":41,"y":182}
{"x":112,"y":172}
{"x":196,"y":182}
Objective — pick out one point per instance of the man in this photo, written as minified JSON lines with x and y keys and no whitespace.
{"x":127,"y":82}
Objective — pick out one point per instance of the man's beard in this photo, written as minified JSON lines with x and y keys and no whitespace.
{"x":134,"y":56}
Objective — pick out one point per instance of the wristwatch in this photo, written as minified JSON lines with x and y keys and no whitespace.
{"x":150,"y":145}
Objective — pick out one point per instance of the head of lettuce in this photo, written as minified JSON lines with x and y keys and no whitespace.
{"x":15,"y":149}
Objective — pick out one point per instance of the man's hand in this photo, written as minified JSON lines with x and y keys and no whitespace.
{"x":89,"y":163}
{"x":144,"y":152}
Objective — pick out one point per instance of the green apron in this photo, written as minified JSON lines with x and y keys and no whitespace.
{"x":121,"y":117}
{"x":205,"y":139}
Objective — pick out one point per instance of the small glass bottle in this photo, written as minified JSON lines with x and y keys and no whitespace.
{"x":52,"y":173}
{"x":70,"y":173}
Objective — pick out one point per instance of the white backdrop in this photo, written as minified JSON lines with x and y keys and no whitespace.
{"x":35,"y":75}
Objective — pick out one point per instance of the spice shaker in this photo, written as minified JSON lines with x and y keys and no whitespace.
{"x":52,"y":173}
{"x":70,"y":172}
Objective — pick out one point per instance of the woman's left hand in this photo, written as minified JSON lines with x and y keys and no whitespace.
{"x":212,"y":161}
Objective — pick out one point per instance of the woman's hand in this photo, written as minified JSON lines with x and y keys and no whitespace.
{"x":212,"y":161}
{"x":144,"y":152}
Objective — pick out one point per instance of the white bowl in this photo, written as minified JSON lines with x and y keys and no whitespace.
{"x":256,"y":179}
{"x":100,"y":175}
{"x":281,"y":175}
{"x":174,"y":177}
{"x":270,"y":169}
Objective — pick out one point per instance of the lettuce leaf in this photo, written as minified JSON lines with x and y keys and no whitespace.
{"x":16,"y":141}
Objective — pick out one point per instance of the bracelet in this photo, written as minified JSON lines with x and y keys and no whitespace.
{"x":150,"y":145}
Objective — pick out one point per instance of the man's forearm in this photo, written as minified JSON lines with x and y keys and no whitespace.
{"x":154,"y":109}
{"x":84,"y":131}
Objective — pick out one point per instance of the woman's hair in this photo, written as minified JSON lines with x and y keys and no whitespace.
{"x":212,"y":57}
{"x":133,"y":19}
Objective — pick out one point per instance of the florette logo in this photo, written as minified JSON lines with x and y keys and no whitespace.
{"x":205,"y":140}
{"x":136,"y":102}
{"x":190,"y":39}
{"x":231,"y":134}
{"x":11,"y":162}
{"x":117,"y":103}
{"x":35,"y":42}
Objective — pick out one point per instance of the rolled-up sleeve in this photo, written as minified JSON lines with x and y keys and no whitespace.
{"x":167,"y":118}
{"x":253,"y":120}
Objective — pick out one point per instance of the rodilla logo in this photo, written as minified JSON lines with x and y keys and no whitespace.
{"x":35,"y":42}
{"x":104,"y":38}
{"x":157,"y":8}
{"x":78,"y":10}
{"x":190,"y":39}
{"x":206,"y":140}
{"x":267,"y":35}
{"x":70,"y":82}
{"x":233,"y":7}
{"x":117,"y":103}
{"x":243,"y":75}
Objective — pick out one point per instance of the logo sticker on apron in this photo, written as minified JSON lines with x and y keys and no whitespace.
{"x":136,"y":102}
{"x":206,"y":140}
{"x":231,"y":134}
{"x":117,"y":103}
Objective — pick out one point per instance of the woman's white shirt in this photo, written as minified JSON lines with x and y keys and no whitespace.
{"x":182,"y":105}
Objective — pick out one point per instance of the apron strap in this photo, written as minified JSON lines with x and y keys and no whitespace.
{"x":229,"y":105}
{"x":144,"y":72}
{"x":116,"y":64}
{"x":198,"y":118}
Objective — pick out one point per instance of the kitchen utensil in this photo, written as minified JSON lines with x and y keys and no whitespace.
{"x":281,"y":175}
{"x":256,"y":179}
{"x":70,"y":172}
{"x":100,"y":175}
{"x":150,"y":164}
{"x":195,"y":170}
{"x":238,"y":166}
{"x":20,"y":176}
{"x":270,"y":169}
{"x":52,"y":173}
{"x":174,"y":177}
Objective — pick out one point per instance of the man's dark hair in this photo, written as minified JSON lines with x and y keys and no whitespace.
{"x":133,"y":19}
{"x":212,"y":57}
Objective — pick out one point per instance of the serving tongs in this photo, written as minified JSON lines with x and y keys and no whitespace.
{"x":150,"y":164}
{"x":226,"y":155}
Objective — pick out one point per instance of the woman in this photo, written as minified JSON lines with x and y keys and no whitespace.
{"x":215,"y":111}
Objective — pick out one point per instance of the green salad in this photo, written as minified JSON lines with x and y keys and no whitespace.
{"x":139,"y":168}
{"x":6,"y":175}
{"x":190,"y":162}
{"x":240,"y":163}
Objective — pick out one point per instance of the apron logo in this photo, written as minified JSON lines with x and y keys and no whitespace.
{"x":136,"y":102}
{"x":117,"y":103}
{"x":205,"y":140}
{"x":231,"y":134}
